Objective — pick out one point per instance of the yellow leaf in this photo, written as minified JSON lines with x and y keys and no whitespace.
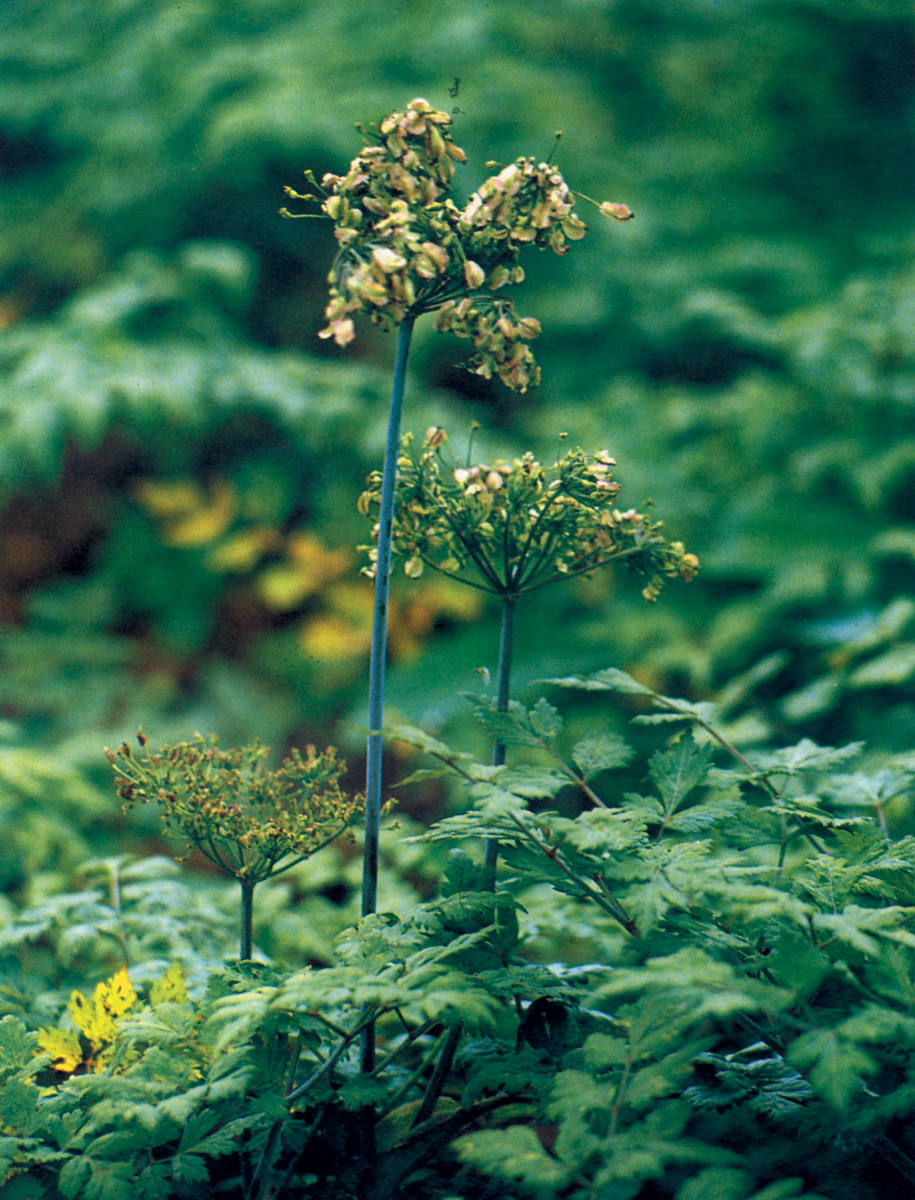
{"x":243,"y":551}
{"x":206,"y":523}
{"x":194,"y":516}
{"x":170,"y":988}
{"x":64,"y":1048}
{"x":308,"y":568}
{"x":117,"y":996}
{"x":332,"y":638}
{"x":90,"y":1018}
{"x":170,"y":499}
{"x":96,"y":1018}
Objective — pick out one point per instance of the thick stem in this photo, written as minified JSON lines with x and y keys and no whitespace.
{"x":375,"y":744}
{"x":503,"y":685}
{"x":247,"y":920}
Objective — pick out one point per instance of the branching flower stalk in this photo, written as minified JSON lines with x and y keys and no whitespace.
{"x":404,"y":249}
{"x":250,"y":823}
{"x":511,"y":528}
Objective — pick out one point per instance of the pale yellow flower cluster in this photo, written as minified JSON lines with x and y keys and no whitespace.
{"x":512,"y":527}
{"x":405,"y":248}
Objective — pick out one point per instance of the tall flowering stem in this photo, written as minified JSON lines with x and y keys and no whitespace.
{"x":405,"y":248}
{"x":375,"y":742}
{"x":503,"y":695}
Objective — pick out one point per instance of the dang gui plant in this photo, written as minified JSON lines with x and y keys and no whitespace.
{"x":249,"y":822}
{"x":405,"y":248}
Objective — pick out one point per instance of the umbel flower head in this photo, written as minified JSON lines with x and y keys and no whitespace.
{"x":508,"y":528}
{"x":405,"y":247}
{"x":250,"y":822}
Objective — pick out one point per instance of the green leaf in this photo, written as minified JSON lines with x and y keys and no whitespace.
{"x":703,"y":816}
{"x":153,"y":1182}
{"x":837,"y":1066}
{"x":892,"y":668}
{"x":608,"y":680}
{"x":18,"y":1104}
{"x":646,"y":1148}
{"x":17,"y":1045}
{"x":190,"y":1169}
{"x":225,"y":1139}
{"x":805,"y":756}
{"x":73,"y":1177}
{"x":519,"y":726}
{"x":514,"y":1155}
{"x":716,"y":1183}
{"x":601,"y":750}
{"x":462,"y":874}
{"x":677,"y":771}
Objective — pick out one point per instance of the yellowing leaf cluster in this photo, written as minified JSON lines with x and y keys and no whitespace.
{"x":90,"y":1046}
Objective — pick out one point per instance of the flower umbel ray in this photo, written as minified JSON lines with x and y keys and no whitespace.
{"x":249,"y":821}
{"x":405,"y":247}
{"x":509,"y":528}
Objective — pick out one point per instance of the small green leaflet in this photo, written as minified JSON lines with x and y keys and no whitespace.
{"x":677,"y":771}
{"x":608,"y":680}
{"x":602,"y":750}
{"x":836,"y":1065}
{"x":17,"y":1045}
{"x":513,"y":1154}
{"x":519,"y":726}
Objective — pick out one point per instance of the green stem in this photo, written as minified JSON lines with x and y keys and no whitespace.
{"x":439,"y":1075}
{"x":374,"y":747}
{"x":503,"y":685}
{"x":246,"y":939}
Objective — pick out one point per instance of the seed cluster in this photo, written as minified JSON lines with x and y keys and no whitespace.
{"x":251,"y":822}
{"x":406,"y":248}
{"x":517,"y":526}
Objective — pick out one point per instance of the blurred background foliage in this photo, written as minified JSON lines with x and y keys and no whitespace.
{"x":180,"y":457}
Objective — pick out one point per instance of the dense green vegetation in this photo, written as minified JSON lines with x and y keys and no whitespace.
{"x":694,"y":979}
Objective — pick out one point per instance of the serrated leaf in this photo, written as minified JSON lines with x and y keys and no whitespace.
{"x":153,"y":1182}
{"x":73,"y":1177}
{"x":530,"y":782}
{"x":644,"y":1150}
{"x":677,"y":771}
{"x":17,"y":1044}
{"x":463,"y":874}
{"x":18,"y":1103}
{"x":836,"y":1065}
{"x":519,"y":726}
{"x":96,"y":1017}
{"x":513,"y":1154}
{"x":418,"y":738}
{"x":602,"y":750}
{"x":225,"y":1140}
{"x":716,"y":1183}
{"x":197,"y":1126}
{"x":703,"y":816}
{"x":170,"y":987}
{"x":180,"y":1107}
{"x":190,"y":1169}
{"x":63,"y":1047}
{"x":608,"y":680}
{"x":804,"y":756}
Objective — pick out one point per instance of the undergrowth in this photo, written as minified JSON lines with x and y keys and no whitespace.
{"x":685,"y":974}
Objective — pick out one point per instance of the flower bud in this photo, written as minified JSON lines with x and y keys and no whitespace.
{"x":474,"y":274}
{"x":619,"y":212}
